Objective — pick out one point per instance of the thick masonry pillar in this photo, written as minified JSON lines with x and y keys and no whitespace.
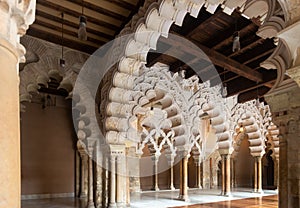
{"x":285,"y":107}
{"x":14,"y":23}
{"x":112,"y":202}
{"x":90,"y":202}
{"x":183,"y":193}
{"x":226,"y":178}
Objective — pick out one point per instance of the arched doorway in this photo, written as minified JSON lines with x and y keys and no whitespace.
{"x":268,"y":170}
{"x":244,"y":165}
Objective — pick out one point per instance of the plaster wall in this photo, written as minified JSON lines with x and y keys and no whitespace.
{"x":47,"y":149}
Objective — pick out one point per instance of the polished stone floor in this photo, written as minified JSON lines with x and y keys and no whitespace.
{"x":197,"y":198}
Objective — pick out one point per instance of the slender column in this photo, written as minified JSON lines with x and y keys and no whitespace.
{"x":226,"y":179}
{"x":223,"y":174}
{"x":121,"y":185}
{"x":99,"y":173}
{"x":259,"y":175}
{"x":155,"y":173}
{"x":172,"y":176}
{"x":83,"y":176}
{"x":90,"y":203}
{"x":255,"y":174}
{"x":198,"y":177}
{"x":183,"y":194}
{"x":112,"y":202}
{"x":233,"y":173}
{"x":105,"y":182}
{"x":276,"y":173}
{"x":77,"y":174}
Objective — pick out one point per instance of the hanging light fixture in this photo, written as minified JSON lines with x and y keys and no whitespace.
{"x":62,"y":62}
{"x":224,"y":88}
{"x":257,"y":96}
{"x":82,"y":34}
{"x":236,"y":46}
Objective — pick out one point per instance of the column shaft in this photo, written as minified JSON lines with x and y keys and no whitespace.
{"x":112,"y":202}
{"x":90,"y":203}
{"x":172,"y":177}
{"x":255,"y":175}
{"x":183,"y":195}
{"x":228,"y":176}
{"x":121,"y":183}
{"x":259,"y":175}
{"x":10,"y":128}
{"x":82,"y":178}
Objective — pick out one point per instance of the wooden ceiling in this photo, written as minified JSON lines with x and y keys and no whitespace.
{"x":240,"y":70}
{"x":105,"y":19}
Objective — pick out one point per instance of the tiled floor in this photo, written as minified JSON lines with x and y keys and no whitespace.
{"x":198,"y":199}
{"x":262,"y":202}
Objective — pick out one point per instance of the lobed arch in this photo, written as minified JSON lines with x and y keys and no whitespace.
{"x":154,"y":20}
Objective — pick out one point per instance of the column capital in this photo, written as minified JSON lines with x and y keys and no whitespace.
{"x":16,"y":16}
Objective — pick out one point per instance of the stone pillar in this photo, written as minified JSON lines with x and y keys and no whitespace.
{"x":258,"y":174}
{"x":90,"y":202}
{"x":226,"y":178}
{"x":15,"y":19}
{"x":183,"y":193}
{"x":285,"y":107}
{"x":112,"y":202}
{"x":155,"y":173}
{"x":276,"y":173}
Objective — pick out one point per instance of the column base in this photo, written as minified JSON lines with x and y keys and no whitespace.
{"x":121,"y":205}
{"x":172,"y":188}
{"x":184,"y":198}
{"x":258,"y":191}
{"x":112,"y":205}
{"x":226,"y":194}
{"x":83,"y":196}
{"x":90,"y":205}
{"x":155,"y":189}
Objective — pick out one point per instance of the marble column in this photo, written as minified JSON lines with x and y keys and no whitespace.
{"x":233,"y":173}
{"x":172,"y":176}
{"x":99,"y":182}
{"x":15,"y":19}
{"x":90,"y":202}
{"x":258,"y":174}
{"x":83,"y":168}
{"x":155,"y":160}
{"x":226,"y":178}
{"x":121,"y":182}
{"x":77,"y":174}
{"x":183,"y":192}
{"x":198,"y":175}
{"x":112,"y":202}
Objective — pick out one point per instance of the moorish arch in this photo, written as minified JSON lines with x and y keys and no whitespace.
{"x":254,"y":120}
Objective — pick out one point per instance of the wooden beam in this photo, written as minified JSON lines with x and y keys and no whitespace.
{"x":68,"y":30}
{"x":93,"y":17}
{"x":74,"y":25}
{"x":123,"y":4}
{"x":55,"y":15}
{"x":92,"y":5}
{"x":229,"y":40}
{"x":253,"y":94}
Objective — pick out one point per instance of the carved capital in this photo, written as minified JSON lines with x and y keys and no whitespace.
{"x":16,"y":16}
{"x":294,"y":73}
